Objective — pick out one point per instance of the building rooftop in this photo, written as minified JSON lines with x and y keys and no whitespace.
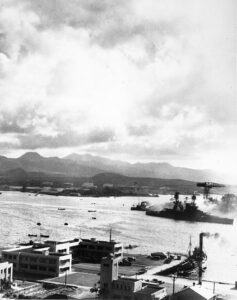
{"x":35,"y":250}
{"x":206,"y":294}
{"x":93,"y":240}
{"x":62,"y":241}
{"x":149,"y":290}
{"x":129,"y":279}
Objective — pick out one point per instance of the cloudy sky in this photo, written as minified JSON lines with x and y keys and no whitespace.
{"x":144,"y":80}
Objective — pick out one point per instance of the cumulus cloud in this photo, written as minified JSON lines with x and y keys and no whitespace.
{"x":140,"y":79}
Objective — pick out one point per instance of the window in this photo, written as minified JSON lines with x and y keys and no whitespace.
{"x":62,"y":262}
{"x":106,"y":265}
{"x":62,"y":250}
{"x":52,"y":261}
{"x":64,"y":269}
{"x":42,"y":268}
{"x":33,"y":259}
{"x":52,"y":270}
{"x":33,"y":267}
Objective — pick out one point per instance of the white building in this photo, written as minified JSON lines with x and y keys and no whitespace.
{"x":108,"y":185}
{"x":6,"y":270}
{"x":64,"y":246}
{"x":88,"y":185}
{"x":37,"y":259}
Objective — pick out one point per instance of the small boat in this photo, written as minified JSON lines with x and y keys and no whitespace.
{"x":143,"y":206}
{"x":44,"y":235}
{"x":93,"y":218}
{"x":32,"y":235}
{"x":130,"y":246}
{"x":91,"y":210}
{"x":61,"y":208}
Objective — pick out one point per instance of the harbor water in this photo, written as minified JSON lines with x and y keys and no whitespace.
{"x":68,"y":217}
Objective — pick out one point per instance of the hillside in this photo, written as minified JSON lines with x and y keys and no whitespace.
{"x":152,"y":169}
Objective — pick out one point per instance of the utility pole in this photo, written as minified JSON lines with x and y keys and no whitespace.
{"x":39,"y":224}
{"x":110,"y":234}
{"x":174,"y":278}
{"x":66,"y":277}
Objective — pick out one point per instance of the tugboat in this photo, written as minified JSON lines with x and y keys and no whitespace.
{"x":143,"y":206}
{"x":188,"y":211}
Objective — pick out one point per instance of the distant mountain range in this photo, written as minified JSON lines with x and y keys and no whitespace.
{"x":77,"y":166}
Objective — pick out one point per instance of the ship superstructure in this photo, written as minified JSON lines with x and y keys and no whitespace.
{"x":188,"y":211}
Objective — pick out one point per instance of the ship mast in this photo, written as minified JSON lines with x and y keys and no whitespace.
{"x":190,"y":246}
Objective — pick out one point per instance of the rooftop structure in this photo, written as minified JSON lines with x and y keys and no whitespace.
{"x":64,"y":246}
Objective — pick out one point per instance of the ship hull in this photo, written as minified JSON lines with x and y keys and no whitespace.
{"x":175,"y":215}
{"x":138,"y":208}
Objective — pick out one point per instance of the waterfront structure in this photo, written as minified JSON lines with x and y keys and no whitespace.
{"x":89,"y":185}
{"x":124,"y":288}
{"x":38,"y":260}
{"x":6,"y":271}
{"x":94,"y":250}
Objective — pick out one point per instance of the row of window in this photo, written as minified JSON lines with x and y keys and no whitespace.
{"x":95,"y":247}
{"x":5,"y":270}
{"x":64,"y":269}
{"x":23,"y":258}
{"x":115,"y":296}
{"x":9,"y":256}
{"x":63,"y":262}
{"x":121,"y":286}
{"x":35,"y":267}
{"x":50,"y":261}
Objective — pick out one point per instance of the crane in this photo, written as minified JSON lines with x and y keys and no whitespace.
{"x":207,"y":186}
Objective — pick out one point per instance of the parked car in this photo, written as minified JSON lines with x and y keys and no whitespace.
{"x":125,"y":262}
{"x":131,"y":258}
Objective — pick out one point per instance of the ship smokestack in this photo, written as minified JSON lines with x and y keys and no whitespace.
{"x":201,"y":235}
{"x":200,"y":257}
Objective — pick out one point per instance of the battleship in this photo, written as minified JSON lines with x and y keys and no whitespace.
{"x":188,"y":211}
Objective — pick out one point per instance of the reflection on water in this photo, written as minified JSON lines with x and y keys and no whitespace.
{"x":20,"y":213}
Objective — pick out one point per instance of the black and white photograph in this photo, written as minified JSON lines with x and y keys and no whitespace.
{"x":118,"y":149}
